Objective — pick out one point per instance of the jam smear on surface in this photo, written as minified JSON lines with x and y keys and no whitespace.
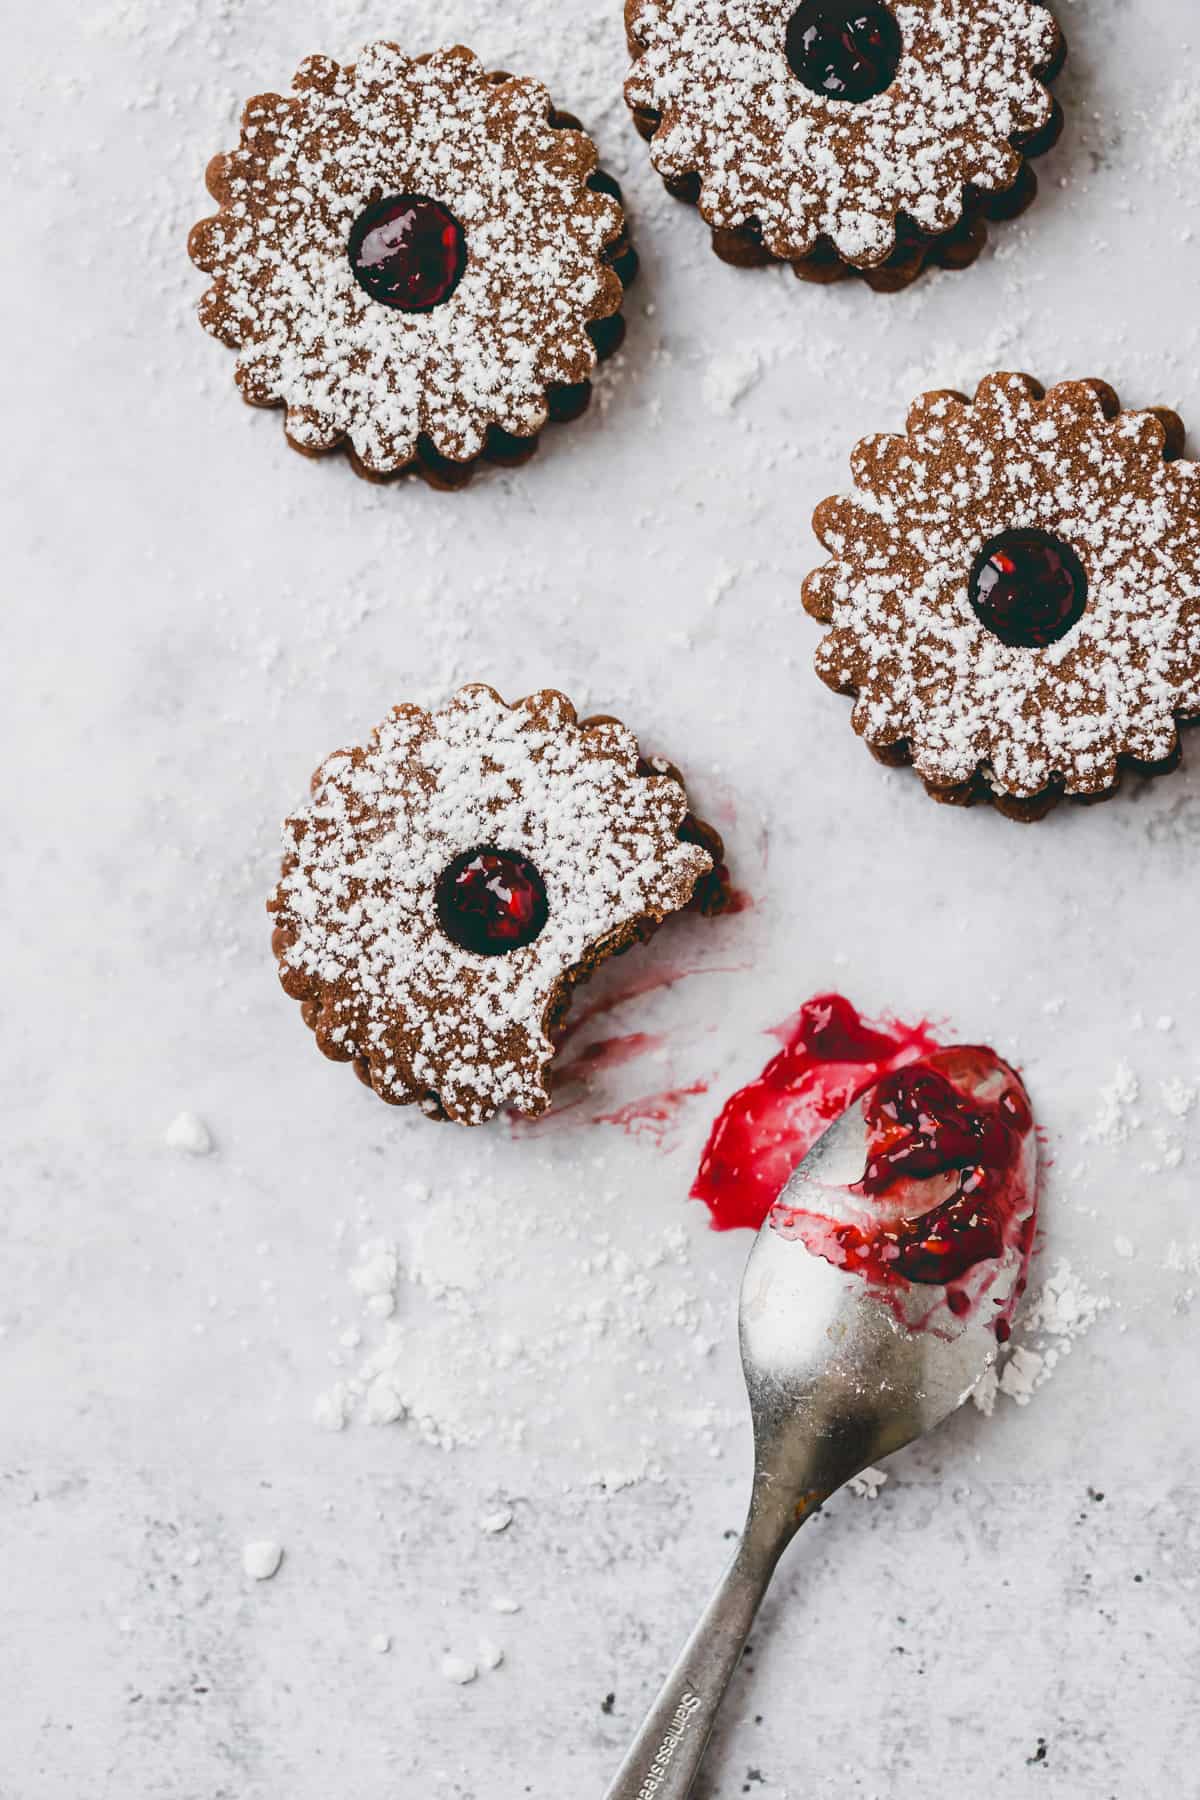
{"x":844,"y":49}
{"x":652,"y":1115}
{"x":407,"y":252}
{"x":490,"y":901}
{"x":1028,"y":588}
{"x":830,"y":1055}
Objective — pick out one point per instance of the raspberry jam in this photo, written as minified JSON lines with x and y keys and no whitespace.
{"x":844,"y":49}
{"x":921,"y":1126}
{"x":945,"y":1206}
{"x":1028,"y":588}
{"x":490,"y":901}
{"x":407,"y":252}
{"x":829,"y":1055}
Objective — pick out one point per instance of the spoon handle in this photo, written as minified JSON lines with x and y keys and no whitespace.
{"x":665,"y":1757}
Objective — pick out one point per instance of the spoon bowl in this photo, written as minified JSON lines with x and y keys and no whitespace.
{"x":839,"y":1375}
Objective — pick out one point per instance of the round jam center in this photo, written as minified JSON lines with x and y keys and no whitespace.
{"x":490,"y":901}
{"x":1028,"y":588}
{"x":844,"y":49}
{"x":408,"y":252}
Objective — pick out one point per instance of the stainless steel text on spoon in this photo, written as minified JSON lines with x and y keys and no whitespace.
{"x":835,"y":1382}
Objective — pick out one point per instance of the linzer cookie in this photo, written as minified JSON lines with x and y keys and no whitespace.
{"x":1014,"y":593}
{"x":846,"y":137}
{"x":450,"y":883}
{"x":418,"y":260}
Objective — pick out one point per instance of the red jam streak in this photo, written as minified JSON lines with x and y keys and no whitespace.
{"x":606,"y":1053}
{"x":922,"y":1125}
{"x":830,"y":1055}
{"x":490,"y":901}
{"x":652,"y":1116}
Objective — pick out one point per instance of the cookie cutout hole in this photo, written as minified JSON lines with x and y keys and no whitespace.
{"x":1028,"y":588}
{"x":844,"y":49}
{"x":407,"y":252}
{"x":491,"y":901}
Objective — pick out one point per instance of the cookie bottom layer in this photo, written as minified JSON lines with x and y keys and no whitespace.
{"x":916,"y":250}
{"x":1027,"y":810}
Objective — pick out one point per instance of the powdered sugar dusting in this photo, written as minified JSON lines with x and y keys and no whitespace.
{"x":807,"y":167}
{"x":476,"y":1353}
{"x":357,"y":931}
{"x":905,"y":639}
{"x":307,"y":334}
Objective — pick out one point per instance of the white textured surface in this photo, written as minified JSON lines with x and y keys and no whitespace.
{"x":193,"y":616}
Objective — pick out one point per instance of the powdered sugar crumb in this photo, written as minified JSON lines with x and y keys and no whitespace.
{"x":261,"y":1558}
{"x":867,"y":1483}
{"x":458,"y":1670}
{"x":729,"y":377}
{"x":188,"y":1134}
{"x":1115,"y":1117}
{"x":1063,"y":1310}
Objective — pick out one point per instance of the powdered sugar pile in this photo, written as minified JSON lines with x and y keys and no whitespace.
{"x":188,"y":1134}
{"x":474,"y":1348}
{"x":805,"y":167}
{"x":1062,"y":1310}
{"x":1124,"y":1111}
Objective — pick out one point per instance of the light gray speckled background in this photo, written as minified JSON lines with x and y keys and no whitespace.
{"x":193,"y":615}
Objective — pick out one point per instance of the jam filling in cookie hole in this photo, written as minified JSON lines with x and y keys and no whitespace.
{"x":844,"y":49}
{"x":1028,"y":588}
{"x":491,"y":901}
{"x":408,"y":252}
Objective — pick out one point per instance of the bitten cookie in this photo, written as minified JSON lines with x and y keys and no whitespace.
{"x":450,"y":883}
{"x":1014,"y":593}
{"x":846,"y":137}
{"x":417,"y":259}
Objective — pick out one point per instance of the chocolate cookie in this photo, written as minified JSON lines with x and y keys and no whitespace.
{"x":846,"y":137}
{"x":450,"y":884}
{"x":417,"y":259}
{"x":1014,"y":593}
